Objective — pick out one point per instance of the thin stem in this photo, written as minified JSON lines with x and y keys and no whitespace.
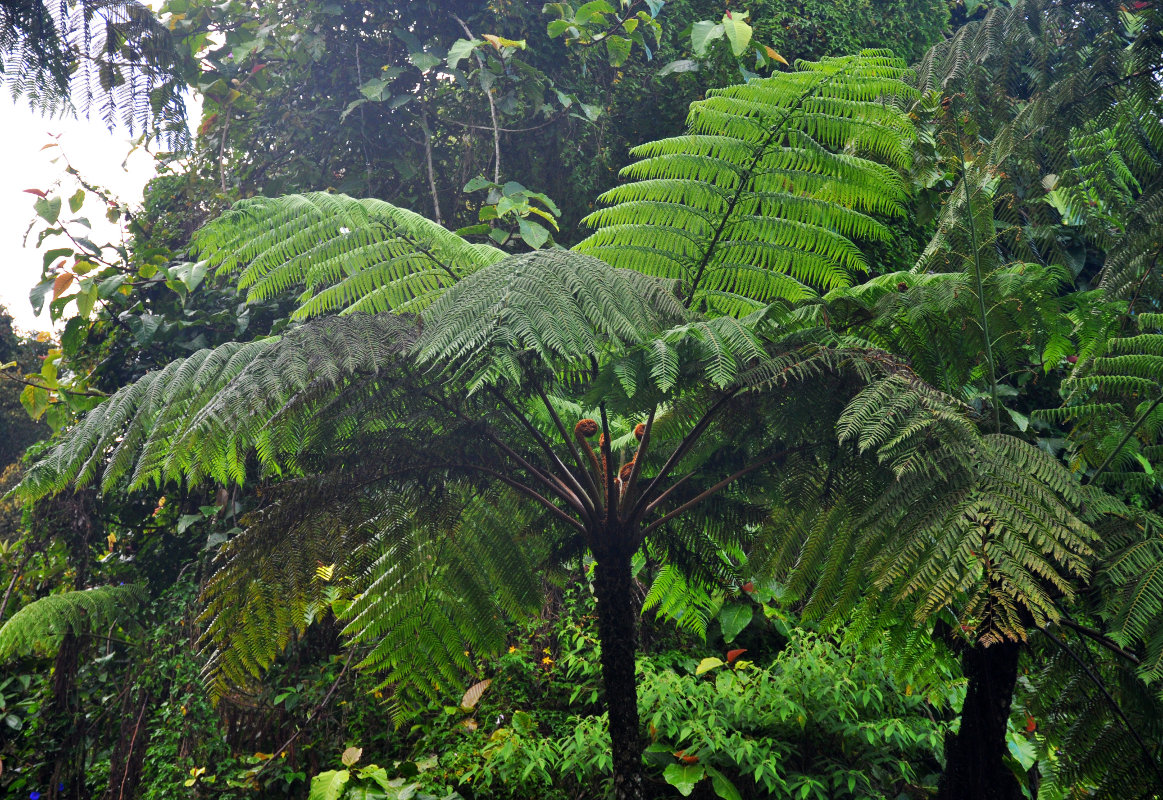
{"x":980,"y":287}
{"x":679,"y":452}
{"x":1122,"y":442}
{"x":431,"y":169}
{"x":1111,"y":702}
{"x":532,"y":494}
{"x":314,"y":712}
{"x":718,"y":487}
{"x":583,"y":468}
{"x":554,"y":485}
{"x":492,"y":108}
{"x":588,"y":510}
{"x":1098,"y":638}
{"x":608,"y":469}
{"x":639,"y":456}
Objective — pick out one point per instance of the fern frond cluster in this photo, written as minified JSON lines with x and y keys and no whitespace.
{"x":985,"y":526}
{"x":374,"y":551}
{"x":37,"y":628}
{"x":114,"y":57}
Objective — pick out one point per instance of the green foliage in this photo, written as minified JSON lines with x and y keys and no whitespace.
{"x":38,"y":627}
{"x":755,"y":203}
{"x":347,"y":255}
{"x":819,"y":715}
{"x":115,"y":57}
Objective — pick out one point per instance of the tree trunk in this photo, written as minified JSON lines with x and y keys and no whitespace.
{"x":617,"y":630}
{"x":975,"y":768}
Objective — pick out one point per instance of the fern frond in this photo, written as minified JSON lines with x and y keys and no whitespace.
{"x":763,"y":196}
{"x":38,"y":627}
{"x":346,"y":255}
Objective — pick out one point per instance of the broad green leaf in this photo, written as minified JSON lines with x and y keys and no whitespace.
{"x":329,"y":785}
{"x":618,"y":50}
{"x":461,"y":49}
{"x":35,"y":401}
{"x":77,"y":200}
{"x":48,"y":210}
{"x":593,"y":10}
{"x":737,"y":30}
{"x":424,"y":61}
{"x":733,"y":618}
{"x":534,"y":235}
{"x":477,"y":183}
{"x":703,"y":33}
{"x":722,"y":785}
{"x":52,"y":255}
{"x":684,"y":777}
{"x":86,"y":299}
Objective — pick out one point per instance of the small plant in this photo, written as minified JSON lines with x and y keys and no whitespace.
{"x":368,"y":783}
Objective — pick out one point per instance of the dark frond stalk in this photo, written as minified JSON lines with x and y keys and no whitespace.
{"x":688,"y":441}
{"x":527,"y":491}
{"x":1099,"y":639}
{"x":586,"y":505}
{"x":1110,"y":701}
{"x":718,"y":487}
{"x":639,"y":456}
{"x":1123,"y":441}
{"x":608,"y":470}
{"x":583,"y":468}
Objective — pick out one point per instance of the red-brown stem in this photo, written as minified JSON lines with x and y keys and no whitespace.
{"x":639,"y":455}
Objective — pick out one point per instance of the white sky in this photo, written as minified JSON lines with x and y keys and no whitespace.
{"x":95,"y":152}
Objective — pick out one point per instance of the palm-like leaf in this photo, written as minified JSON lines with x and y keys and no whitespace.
{"x":763,"y":196}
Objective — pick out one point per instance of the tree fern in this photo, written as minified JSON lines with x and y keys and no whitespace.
{"x":38,"y":627}
{"x":760,"y":200}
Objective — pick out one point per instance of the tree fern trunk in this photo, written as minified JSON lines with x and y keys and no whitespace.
{"x":617,"y":629}
{"x":975,"y":767}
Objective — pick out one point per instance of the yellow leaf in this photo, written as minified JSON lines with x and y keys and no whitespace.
{"x":774,"y":56}
{"x":499,"y":42}
{"x":473,"y":695}
{"x":351,"y":755}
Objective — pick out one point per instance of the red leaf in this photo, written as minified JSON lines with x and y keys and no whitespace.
{"x":734,"y":654}
{"x":684,"y":758}
{"x":1031,"y":724}
{"x":748,"y":587}
{"x":36,"y":192}
{"x":256,"y":68}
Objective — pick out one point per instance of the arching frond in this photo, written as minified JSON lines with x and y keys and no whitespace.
{"x":38,"y":627}
{"x":560,"y":308}
{"x":345,"y":254}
